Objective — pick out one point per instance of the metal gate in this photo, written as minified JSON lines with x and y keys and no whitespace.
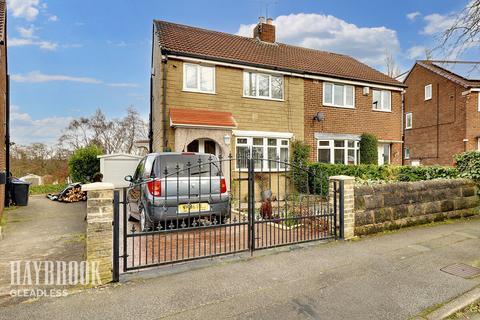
{"x":222,"y":206}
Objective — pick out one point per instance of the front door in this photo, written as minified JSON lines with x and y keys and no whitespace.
{"x":203,"y":146}
{"x":383,"y":153}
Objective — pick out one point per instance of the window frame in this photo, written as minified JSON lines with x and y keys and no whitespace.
{"x":406,"y":120}
{"x":279,"y":166}
{"x":331,"y":147}
{"x":257,"y":96}
{"x":425,"y":92}
{"x":332,"y":104}
{"x":406,"y":153}
{"x":198,"y":68}
{"x":382,"y":103}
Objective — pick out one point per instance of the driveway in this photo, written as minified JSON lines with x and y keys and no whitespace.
{"x":392,"y":276}
{"x":43,"y":230}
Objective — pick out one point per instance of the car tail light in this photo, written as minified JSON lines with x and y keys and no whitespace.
{"x":154,"y":187}
{"x":223,"y":185}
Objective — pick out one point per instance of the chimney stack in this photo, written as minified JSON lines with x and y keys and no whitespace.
{"x":265,"y":31}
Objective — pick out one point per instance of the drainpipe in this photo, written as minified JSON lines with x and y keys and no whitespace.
{"x":403,"y":128}
{"x":7,"y":122}
{"x":164,"y":101}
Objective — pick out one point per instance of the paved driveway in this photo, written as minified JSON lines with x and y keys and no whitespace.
{"x":392,"y":276}
{"x":43,"y":230}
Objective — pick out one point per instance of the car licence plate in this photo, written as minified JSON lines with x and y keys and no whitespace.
{"x":194,"y":207}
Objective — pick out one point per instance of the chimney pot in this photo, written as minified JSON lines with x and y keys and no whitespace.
{"x":261,"y":19}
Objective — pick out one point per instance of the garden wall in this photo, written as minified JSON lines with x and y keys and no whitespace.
{"x":395,"y":205}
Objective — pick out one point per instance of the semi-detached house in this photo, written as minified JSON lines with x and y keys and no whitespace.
{"x":226,"y":94}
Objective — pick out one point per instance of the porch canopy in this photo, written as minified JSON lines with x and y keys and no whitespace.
{"x":201,"y":118}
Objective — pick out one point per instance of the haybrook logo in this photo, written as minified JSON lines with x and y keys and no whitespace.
{"x":33,"y":274}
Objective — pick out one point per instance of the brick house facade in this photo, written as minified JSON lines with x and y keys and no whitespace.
{"x":445,"y":120}
{"x":271,"y":91}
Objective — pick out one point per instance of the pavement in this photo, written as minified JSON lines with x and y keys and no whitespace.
{"x":390,"y":276}
{"x":43,"y":230}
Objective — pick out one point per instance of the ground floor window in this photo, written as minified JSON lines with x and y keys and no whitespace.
{"x":407,"y":153}
{"x":383,"y":153}
{"x":270,"y":154}
{"x":338,"y":151}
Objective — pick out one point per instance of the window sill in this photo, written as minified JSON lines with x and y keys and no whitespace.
{"x":335,"y":106}
{"x":408,"y":128}
{"x":264,"y":98}
{"x":198,"y":91}
{"x":377,"y":110}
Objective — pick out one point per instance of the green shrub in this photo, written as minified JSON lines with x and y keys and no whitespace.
{"x":410,"y":173}
{"x":468,"y":165}
{"x":300,"y":156}
{"x":368,"y":149}
{"x":83,"y":163}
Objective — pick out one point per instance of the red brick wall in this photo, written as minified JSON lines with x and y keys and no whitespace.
{"x":362,"y":119}
{"x":472,"y":120}
{"x":449,"y":103}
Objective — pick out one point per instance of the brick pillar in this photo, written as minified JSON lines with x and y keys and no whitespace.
{"x":348,"y":203}
{"x":99,"y":228}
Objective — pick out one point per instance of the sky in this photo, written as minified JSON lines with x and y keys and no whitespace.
{"x":68,"y":58}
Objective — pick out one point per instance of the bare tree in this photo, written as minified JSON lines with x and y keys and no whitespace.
{"x":113,"y":136}
{"x":390,"y":65}
{"x":464,"y":33}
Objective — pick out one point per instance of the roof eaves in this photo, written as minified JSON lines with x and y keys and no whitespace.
{"x":275,"y":68}
{"x":444,"y":73}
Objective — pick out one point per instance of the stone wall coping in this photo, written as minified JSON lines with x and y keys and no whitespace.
{"x":97,"y":186}
{"x":340,"y":178}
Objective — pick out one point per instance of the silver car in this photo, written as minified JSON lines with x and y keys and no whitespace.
{"x":173,"y":189}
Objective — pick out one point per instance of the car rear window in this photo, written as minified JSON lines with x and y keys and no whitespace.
{"x":186,"y":162}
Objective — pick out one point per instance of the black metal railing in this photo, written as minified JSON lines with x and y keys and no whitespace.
{"x":218,"y":206}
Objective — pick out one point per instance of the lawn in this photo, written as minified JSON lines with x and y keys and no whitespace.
{"x":47,"y":188}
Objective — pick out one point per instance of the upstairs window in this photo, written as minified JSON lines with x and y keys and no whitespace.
{"x":262,"y":85}
{"x":198,"y":78}
{"x":428,"y":92}
{"x":338,"y":95}
{"x":382,"y":100}
{"x":408,"y":120}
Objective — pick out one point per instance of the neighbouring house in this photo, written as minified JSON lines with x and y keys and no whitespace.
{"x":226,"y":94}
{"x":4,"y":139}
{"x":442,"y":111}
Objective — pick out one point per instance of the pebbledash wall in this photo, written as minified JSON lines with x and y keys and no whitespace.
{"x":396,"y":205}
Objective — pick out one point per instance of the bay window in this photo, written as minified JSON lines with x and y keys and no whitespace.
{"x":198,"y":78}
{"x":269,"y":154}
{"x":382,"y":100}
{"x":338,"y":151}
{"x":338,"y":95}
{"x":262,"y":85}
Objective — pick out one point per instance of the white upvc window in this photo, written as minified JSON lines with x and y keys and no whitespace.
{"x":198,"y":78}
{"x":338,"y":95}
{"x":382,"y":100}
{"x":407,"y":153}
{"x":338,"y":151}
{"x":269,"y":154}
{"x":428,"y":92}
{"x":478,"y":102}
{"x":408,"y":120}
{"x":262,"y":85}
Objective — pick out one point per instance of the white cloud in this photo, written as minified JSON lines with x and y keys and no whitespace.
{"x":26,"y":32}
{"x":38,"y":77}
{"x":413,"y":15}
{"x":27,"y":9}
{"x":117,"y":43}
{"x":26,"y":130}
{"x":42,"y":44}
{"x":123,"y":85}
{"x":436,"y":23}
{"x":326,"y":32}
{"x":417,"y":52}
{"x":53,"y":18}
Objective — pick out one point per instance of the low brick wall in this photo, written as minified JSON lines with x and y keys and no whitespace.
{"x":396,"y":205}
